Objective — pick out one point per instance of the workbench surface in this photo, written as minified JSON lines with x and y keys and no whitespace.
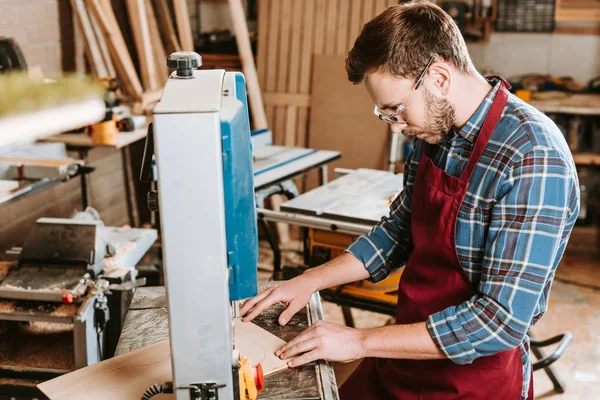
{"x":147,"y":323}
{"x":83,"y":140}
{"x":576,"y":104}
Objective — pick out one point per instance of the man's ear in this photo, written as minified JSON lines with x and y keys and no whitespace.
{"x":442,"y":76}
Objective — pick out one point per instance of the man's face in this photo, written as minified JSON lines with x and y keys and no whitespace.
{"x":424,"y":116}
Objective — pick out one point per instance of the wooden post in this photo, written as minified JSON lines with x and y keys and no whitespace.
{"x":240,"y":28}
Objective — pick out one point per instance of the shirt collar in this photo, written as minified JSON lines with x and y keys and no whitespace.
{"x":471,"y":129}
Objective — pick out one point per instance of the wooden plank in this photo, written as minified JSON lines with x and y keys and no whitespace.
{"x":336,"y":99}
{"x":270,"y":111}
{"x":259,"y":119}
{"x":307,"y":46}
{"x":302,"y":135}
{"x":160,"y":55}
{"x":263,"y":38}
{"x":110,"y":68}
{"x":8,"y":185}
{"x":92,"y":49}
{"x":182,"y":17}
{"x":355,"y":22}
{"x":284,"y":45}
{"x":278,"y":131}
{"x":128,"y":376}
{"x":380,"y":5}
{"x":341,"y":43}
{"x":138,"y":20}
{"x":165,"y":20}
{"x":578,"y":30}
{"x":290,"y":126}
{"x":126,"y":72}
{"x":332,"y":14}
{"x":287,"y":99}
{"x":321,"y":12}
{"x":272,"y":53}
{"x":80,"y":51}
{"x":367,"y":11}
{"x":294,"y":51}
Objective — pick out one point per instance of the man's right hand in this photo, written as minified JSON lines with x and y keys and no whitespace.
{"x":295,"y":294}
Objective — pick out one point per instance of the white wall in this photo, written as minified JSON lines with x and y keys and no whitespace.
{"x":512,"y":54}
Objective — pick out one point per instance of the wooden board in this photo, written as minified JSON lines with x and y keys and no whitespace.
{"x":138,"y":20}
{"x":126,"y":377}
{"x":259,"y":346}
{"x":169,"y":36}
{"x":182,"y":17}
{"x":342,"y":118}
{"x":290,"y":35}
{"x":103,"y":12}
{"x":257,"y":110}
{"x":160,"y":55}
{"x":92,"y":48}
{"x":110,"y":67}
{"x":40,"y":162}
{"x":8,"y":185}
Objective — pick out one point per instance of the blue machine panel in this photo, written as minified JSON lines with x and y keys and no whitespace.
{"x":240,"y":208}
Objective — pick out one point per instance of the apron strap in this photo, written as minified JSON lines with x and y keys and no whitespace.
{"x":487,"y":129}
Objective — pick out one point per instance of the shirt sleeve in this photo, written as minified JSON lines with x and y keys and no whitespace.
{"x":389,"y":244}
{"x":530,"y":225}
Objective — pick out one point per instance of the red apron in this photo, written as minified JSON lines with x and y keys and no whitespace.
{"x":433,"y":280}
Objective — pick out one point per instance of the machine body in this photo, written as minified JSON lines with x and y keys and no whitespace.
{"x":207,"y":210}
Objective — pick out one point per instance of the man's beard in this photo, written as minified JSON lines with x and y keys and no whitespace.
{"x":439,"y":116}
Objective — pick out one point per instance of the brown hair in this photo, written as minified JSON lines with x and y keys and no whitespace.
{"x":402,"y":39}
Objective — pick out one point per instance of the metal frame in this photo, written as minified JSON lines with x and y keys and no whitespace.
{"x":187,"y":129}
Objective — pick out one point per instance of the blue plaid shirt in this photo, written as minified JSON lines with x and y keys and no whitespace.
{"x":512,"y":229}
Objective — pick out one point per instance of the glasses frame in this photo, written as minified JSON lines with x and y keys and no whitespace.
{"x":393,"y":117}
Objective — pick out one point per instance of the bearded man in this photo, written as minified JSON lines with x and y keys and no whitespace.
{"x":489,"y":201}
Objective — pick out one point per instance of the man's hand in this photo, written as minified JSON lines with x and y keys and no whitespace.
{"x":324,"y":341}
{"x":295,"y":293}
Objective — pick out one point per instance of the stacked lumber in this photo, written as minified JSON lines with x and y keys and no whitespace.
{"x":290,"y":34}
{"x":154,"y":34}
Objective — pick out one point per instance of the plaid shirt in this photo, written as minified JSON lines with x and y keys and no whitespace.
{"x":512,"y":229}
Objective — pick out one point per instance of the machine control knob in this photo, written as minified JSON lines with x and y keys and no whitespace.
{"x":184,"y":62}
{"x":152,"y":199}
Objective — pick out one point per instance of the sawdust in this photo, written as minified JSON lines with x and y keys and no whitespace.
{"x":41,"y":327}
{"x":38,"y":346}
{"x":7,"y":306}
{"x":19,"y":382}
{"x":65,"y":310}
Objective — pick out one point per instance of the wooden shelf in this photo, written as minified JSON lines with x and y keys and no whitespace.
{"x":586,"y":158}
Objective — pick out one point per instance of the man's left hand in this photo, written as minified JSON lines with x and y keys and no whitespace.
{"x":324,"y":341}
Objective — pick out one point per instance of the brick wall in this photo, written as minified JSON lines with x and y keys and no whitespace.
{"x":38,"y":26}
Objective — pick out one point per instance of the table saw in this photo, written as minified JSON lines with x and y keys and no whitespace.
{"x":147,"y":323}
{"x":63,"y":296}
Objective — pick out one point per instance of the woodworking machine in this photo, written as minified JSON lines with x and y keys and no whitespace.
{"x":201,"y":140}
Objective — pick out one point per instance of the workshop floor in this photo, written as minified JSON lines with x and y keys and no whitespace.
{"x":574,"y":306}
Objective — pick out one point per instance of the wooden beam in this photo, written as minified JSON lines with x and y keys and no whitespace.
{"x":138,"y":20}
{"x":126,"y":72}
{"x":110,"y":67}
{"x":160,"y":55}
{"x":287,"y":99}
{"x":91,"y":45}
{"x":240,"y":28}
{"x":165,"y":20}
{"x":182,"y":17}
